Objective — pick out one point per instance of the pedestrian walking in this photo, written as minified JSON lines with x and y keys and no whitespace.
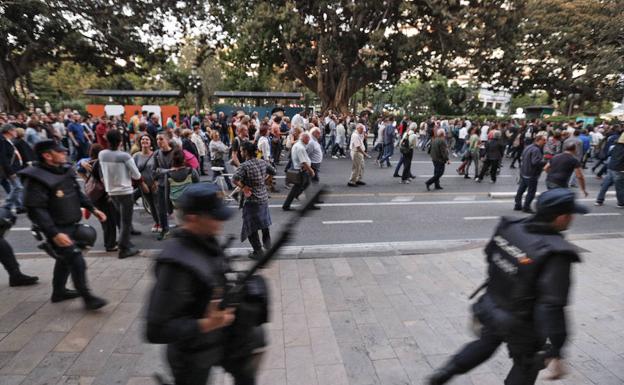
{"x":529,"y":278}
{"x":616,"y":169}
{"x":530,"y":169}
{"x":358,"y":153}
{"x":407,"y":146}
{"x":561,"y":167}
{"x":118,"y":173}
{"x":10,"y":164}
{"x":250,"y":178}
{"x":301,"y":171}
{"x":439,"y":157}
{"x":494,"y":150}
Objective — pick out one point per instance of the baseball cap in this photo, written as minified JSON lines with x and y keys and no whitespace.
{"x":559,"y":201}
{"x":205,"y":199}
{"x":48,"y":145}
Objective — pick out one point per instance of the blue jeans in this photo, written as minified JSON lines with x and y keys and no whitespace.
{"x":618,"y":181}
{"x":14,"y":200}
{"x":388,"y":151}
{"x":529,"y":184}
{"x":604,"y":186}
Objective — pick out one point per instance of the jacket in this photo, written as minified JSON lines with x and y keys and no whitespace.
{"x":439,"y":150}
{"x":532,"y":162}
{"x":9,"y":163}
{"x":617,"y":158}
{"x":494,"y":149}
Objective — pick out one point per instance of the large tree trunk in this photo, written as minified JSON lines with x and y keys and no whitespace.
{"x":8,"y":100}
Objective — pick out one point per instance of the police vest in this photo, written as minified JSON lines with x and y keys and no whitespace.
{"x":515,"y":257}
{"x":63,"y":193}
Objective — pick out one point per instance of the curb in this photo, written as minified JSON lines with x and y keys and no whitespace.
{"x":507,"y":195}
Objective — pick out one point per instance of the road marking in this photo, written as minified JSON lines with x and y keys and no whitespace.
{"x":403,"y":199}
{"x":20,"y":229}
{"x":346,"y":222}
{"x":601,"y":214}
{"x":480,"y":218}
{"x":466,"y":198}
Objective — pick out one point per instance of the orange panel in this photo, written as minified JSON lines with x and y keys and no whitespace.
{"x":167,"y":111}
{"x":97,"y":110}
{"x":129,"y":112}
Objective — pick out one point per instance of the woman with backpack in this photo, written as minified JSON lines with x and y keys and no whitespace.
{"x":179,"y":177}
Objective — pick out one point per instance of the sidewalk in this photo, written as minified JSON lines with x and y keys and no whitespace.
{"x":335,"y":321}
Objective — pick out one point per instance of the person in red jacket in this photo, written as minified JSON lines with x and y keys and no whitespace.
{"x":100,"y":132}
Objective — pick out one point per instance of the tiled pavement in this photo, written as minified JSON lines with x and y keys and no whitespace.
{"x":358,"y":321}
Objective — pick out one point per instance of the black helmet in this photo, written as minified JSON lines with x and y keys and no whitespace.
{"x":85,"y":236}
{"x":7,"y":220}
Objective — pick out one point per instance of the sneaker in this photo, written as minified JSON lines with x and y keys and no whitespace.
{"x":334,"y":157}
{"x":360,"y":183}
{"x":598,"y":203}
{"x":163,"y":235}
{"x":619,"y":206}
{"x":350,"y":184}
{"x":156,"y":228}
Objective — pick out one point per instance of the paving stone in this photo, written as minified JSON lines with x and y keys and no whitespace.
{"x":6,"y":357}
{"x":17,"y":315}
{"x":65,"y":321}
{"x":324,"y":346}
{"x":295,"y":330}
{"x":299,"y":366}
{"x":358,"y":366}
{"x":117,"y":370}
{"x":140,"y":381}
{"x":151,"y":361}
{"x":344,"y":327}
{"x":11,"y":379}
{"x":21,"y":335}
{"x":2,"y":335}
{"x":341,"y":267}
{"x":32,"y":353}
{"x":76,"y":380}
{"x":121,"y":319}
{"x":292,"y":301}
{"x":95,"y":355}
{"x":332,"y":374}
{"x":275,"y":356}
{"x":390,"y":372}
{"x":133,"y":342}
{"x":376,"y":342}
{"x":51,"y":369}
{"x":272,"y":377}
{"x":333,"y":295}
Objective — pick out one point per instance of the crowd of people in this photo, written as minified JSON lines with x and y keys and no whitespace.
{"x":122,"y":159}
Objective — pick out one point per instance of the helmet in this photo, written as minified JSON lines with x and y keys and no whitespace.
{"x":85,"y":236}
{"x":7,"y":220}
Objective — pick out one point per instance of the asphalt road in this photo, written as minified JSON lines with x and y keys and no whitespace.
{"x":385,"y":211}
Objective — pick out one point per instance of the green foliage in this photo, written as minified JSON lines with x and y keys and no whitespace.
{"x":336,"y":47}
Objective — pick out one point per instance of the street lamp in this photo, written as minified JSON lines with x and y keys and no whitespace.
{"x":513,"y":90}
{"x":194,"y":82}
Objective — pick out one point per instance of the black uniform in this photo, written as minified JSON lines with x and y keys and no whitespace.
{"x":187,"y":272}
{"x":53,"y":200}
{"x":529,"y":278}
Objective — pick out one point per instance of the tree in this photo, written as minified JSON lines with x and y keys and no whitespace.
{"x":568,"y":47}
{"x":111,"y":36}
{"x":336,"y":47}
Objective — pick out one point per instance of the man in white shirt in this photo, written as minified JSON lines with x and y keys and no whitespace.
{"x":315,"y":152}
{"x":302,"y":164}
{"x":358,"y":152}
{"x":118,"y":171}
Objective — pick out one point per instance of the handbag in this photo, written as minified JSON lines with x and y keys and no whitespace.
{"x":94,"y":188}
{"x":293,"y":177}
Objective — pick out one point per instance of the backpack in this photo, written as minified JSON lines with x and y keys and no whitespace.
{"x":327,"y":129}
{"x":176,"y":189}
{"x":404,"y":146}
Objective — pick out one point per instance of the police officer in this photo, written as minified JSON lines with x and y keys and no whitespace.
{"x":7,"y":257}
{"x":182,"y":313}
{"x":53,"y":199}
{"x":529,"y":268}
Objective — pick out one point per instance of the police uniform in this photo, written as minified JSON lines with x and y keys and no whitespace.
{"x":53,"y":200}
{"x":529,"y":268}
{"x":7,"y":257}
{"x":188,"y":270}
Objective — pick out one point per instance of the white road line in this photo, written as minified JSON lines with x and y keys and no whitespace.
{"x":403,"y":199}
{"x":20,"y":229}
{"x":480,"y":218}
{"x":601,"y":214}
{"x":346,"y":222}
{"x":466,"y":198}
